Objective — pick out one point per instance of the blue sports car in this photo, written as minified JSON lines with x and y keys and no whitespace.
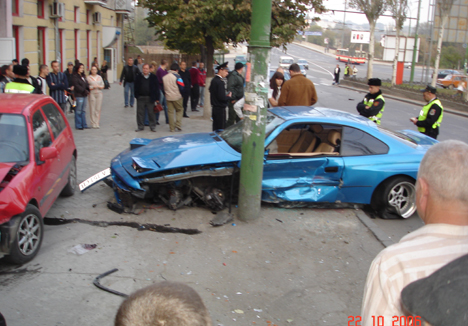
{"x":313,"y":156}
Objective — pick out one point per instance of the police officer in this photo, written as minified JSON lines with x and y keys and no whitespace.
{"x":219,"y":98}
{"x":20,"y":84}
{"x":431,"y":114}
{"x":373,"y":104}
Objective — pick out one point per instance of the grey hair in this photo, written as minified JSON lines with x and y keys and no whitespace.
{"x":445,"y":169}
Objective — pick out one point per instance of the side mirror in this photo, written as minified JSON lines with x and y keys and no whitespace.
{"x":47,"y":153}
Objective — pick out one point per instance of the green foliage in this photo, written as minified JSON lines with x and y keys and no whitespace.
{"x":452,"y":57}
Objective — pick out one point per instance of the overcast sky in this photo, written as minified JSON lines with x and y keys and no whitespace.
{"x":358,"y":18}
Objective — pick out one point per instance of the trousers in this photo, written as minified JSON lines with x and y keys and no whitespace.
{"x":175,"y":106}
{"x":218,"y":114}
{"x":194,"y":94}
{"x":142,"y":103}
{"x":95,"y":104}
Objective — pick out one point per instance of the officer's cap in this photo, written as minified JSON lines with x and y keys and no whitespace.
{"x":222,"y":66}
{"x":20,"y":70}
{"x":429,"y":89}
{"x":374,"y":82}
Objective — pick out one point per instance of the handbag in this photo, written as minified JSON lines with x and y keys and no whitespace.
{"x":158,"y":108}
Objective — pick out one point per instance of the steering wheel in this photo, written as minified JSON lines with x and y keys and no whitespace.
{"x":18,"y":151}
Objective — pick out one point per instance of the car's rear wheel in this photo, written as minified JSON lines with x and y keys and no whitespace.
{"x":28,"y":236}
{"x":450,"y":86}
{"x":396,"y":198}
{"x":69,"y":189}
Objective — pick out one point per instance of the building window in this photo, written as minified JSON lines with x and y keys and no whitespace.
{"x":15,"y":7}
{"x":77,"y":12}
{"x":40,"y":8}
{"x":61,"y":49}
{"x":87,"y":17}
{"x":41,"y":49}
{"x":88,"y":48}
{"x":17,"y":41}
{"x":77,"y":44}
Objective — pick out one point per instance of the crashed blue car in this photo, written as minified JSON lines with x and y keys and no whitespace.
{"x":313,"y":156}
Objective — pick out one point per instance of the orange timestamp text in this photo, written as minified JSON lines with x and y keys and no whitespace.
{"x":380,"y":321}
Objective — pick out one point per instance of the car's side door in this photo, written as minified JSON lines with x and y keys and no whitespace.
{"x":45,"y":181}
{"x":298,"y":170}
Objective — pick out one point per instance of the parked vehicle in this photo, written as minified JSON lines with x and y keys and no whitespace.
{"x":37,"y":164}
{"x":303,"y":70}
{"x":285,"y":62}
{"x":286,"y":74}
{"x":312,"y":156}
{"x":304,"y":63}
{"x":451,"y":81}
{"x":240,"y":58}
{"x":443,"y":73}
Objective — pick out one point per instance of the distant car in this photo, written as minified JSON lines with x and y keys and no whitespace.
{"x":451,"y":81}
{"x":303,"y":70}
{"x":286,"y":74}
{"x":311,"y":156}
{"x":240,"y":58}
{"x":408,"y":64}
{"x":37,"y":164}
{"x":441,"y":74}
{"x":304,"y":63}
{"x":285,"y":62}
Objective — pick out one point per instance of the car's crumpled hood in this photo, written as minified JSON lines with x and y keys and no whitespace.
{"x":4,"y":169}
{"x":179,"y":151}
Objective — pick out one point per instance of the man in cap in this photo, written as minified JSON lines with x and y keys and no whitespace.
{"x":442,"y":203}
{"x":219,"y":99}
{"x":20,"y":84}
{"x":235,"y":85}
{"x":373,"y":104}
{"x":431,"y":115}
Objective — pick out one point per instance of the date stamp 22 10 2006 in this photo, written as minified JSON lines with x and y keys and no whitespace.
{"x":380,"y":321}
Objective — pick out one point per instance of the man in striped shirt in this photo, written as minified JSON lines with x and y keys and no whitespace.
{"x":442,"y":202}
{"x":58,"y":83}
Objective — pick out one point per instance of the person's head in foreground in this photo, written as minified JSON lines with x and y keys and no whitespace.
{"x":441,"y":298}
{"x":163,"y":304}
{"x":442,"y":187}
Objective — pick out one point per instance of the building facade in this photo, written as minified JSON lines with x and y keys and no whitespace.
{"x":63,"y":30}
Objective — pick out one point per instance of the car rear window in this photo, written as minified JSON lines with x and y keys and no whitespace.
{"x":399,"y":136}
{"x":13,"y":139}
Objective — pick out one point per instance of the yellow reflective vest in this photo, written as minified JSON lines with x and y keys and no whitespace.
{"x":14,"y":87}
{"x":425,"y":111}
{"x":376,"y":118}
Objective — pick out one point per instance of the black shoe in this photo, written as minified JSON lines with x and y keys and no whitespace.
{"x":157,"y":123}
{"x":87,"y":127}
{"x":178,"y":129}
{"x":186,"y":116}
{"x":79,"y":128}
{"x":137,"y":130}
{"x":126,"y":106}
{"x":131,"y":106}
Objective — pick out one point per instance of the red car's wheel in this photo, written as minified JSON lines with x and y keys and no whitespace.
{"x":69,"y":189}
{"x":28,"y":236}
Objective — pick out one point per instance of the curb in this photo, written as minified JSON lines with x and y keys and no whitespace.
{"x":463,"y":114}
{"x":383,"y":238}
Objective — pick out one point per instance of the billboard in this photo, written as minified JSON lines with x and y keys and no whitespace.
{"x":456,"y":29}
{"x":405,"y":51}
{"x":360,"y":37}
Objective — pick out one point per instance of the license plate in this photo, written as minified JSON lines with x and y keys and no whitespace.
{"x":95,"y":179}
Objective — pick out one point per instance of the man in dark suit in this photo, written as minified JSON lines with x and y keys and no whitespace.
{"x":146,"y":93}
{"x":218,"y":97}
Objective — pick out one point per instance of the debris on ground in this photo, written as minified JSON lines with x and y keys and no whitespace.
{"x":102,"y":287}
{"x":222,"y":218}
{"x":140,"y":227}
{"x":82,"y":248}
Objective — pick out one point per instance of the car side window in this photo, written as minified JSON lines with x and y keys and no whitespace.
{"x":41,"y":133}
{"x":56,"y":122}
{"x":357,"y":142}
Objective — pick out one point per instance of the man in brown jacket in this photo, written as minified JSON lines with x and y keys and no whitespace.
{"x":298,"y":90}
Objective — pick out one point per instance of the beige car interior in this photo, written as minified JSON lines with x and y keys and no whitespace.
{"x":311,"y":140}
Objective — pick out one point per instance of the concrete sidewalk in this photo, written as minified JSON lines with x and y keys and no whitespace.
{"x":289,"y":267}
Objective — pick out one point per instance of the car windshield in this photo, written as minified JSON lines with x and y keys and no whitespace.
{"x":241,"y":58}
{"x":287,"y":61}
{"x":13,"y":138}
{"x":399,"y":136}
{"x":233,"y":134}
{"x":448,"y":77}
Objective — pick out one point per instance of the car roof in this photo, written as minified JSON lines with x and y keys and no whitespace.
{"x":16,"y":103}
{"x":301,"y":112}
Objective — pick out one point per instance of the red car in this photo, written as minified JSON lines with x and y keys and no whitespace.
{"x":37,"y":164}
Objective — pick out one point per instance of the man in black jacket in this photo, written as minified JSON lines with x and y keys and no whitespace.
{"x":219,"y":99}
{"x":185,"y":74}
{"x":373,"y":104}
{"x":236,"y":86}
{"x":146,"y":93}
{"x":128,"y":75}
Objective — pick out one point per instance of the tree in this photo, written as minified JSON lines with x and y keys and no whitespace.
{"x":143,"y":34}
{"x":372,"y":9}
{"x":398,"y":9}
{"x":444,"y":7}
{"x":186,"y":24}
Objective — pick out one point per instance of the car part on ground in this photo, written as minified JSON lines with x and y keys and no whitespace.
{"x":97,"y":283}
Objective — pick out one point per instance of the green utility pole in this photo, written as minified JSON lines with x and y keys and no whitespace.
{"x":256,"y":97}
{"x":415,"y":48}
